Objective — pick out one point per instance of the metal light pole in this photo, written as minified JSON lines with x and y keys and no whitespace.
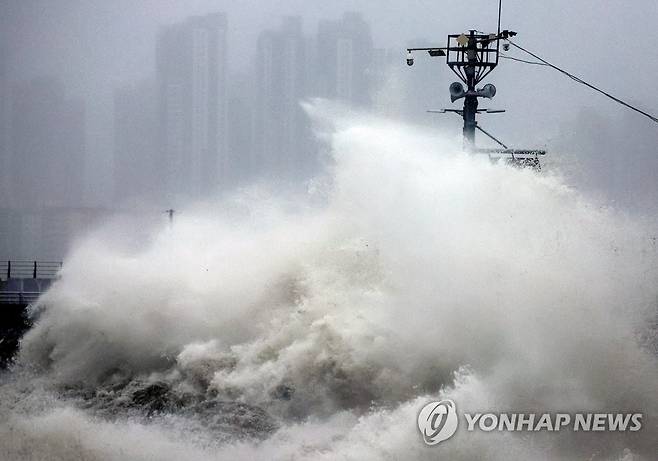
{"x":170,"y":212}
{"x":472,"y":57}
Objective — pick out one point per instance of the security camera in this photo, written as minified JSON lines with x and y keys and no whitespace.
{"x":410,"y":59}
{"x":505,"y":46}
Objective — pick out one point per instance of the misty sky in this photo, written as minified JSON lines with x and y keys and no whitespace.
{"x":95,"y":46}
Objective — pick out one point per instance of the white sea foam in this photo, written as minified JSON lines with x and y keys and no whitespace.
{"x":422,"y":273}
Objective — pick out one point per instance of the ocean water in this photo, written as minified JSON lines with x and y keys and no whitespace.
{"x":315,"y":326}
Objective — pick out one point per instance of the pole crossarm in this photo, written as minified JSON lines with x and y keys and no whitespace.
{"x":461,"y":111}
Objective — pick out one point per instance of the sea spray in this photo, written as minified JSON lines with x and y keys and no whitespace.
{"x":319,"y":331}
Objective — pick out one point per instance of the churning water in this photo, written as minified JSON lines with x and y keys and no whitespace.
{"x":318,"y":327}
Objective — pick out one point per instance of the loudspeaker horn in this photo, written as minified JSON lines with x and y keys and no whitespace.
{"x":457,"y":91}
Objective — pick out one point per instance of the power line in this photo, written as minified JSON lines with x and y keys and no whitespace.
{"x":589,"y":85}
{"x":524,"y":61}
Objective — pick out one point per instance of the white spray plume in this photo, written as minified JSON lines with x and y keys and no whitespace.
{"x":425,"y":272}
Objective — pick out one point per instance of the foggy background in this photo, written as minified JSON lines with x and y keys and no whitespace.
{"x":136,"y":107}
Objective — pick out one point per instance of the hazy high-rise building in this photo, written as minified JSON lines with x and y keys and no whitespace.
{"x":382,"y":76}
{"x":343,"y":59}
{"x":191,"y":77}
{"x":242,"y":161}
{"x":47,"y":146}
{"x":4,"y":123}
{"x":135,"y":145}
{"x":281,"y":127}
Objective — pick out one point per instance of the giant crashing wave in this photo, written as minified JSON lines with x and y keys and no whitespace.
{"x":316,"y":327}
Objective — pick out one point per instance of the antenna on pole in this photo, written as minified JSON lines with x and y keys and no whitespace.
{"x":472,"y":57}
{"x":500,"y":9}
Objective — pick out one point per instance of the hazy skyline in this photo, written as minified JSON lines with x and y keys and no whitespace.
{"x":96,"y":46}
{"x":96,"y":49}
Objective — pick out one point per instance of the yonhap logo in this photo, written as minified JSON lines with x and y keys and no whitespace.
{"x":437,"y":421}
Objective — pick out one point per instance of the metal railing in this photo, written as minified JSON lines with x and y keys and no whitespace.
{"x":29,"y":269}
{"x":19,"y":297}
